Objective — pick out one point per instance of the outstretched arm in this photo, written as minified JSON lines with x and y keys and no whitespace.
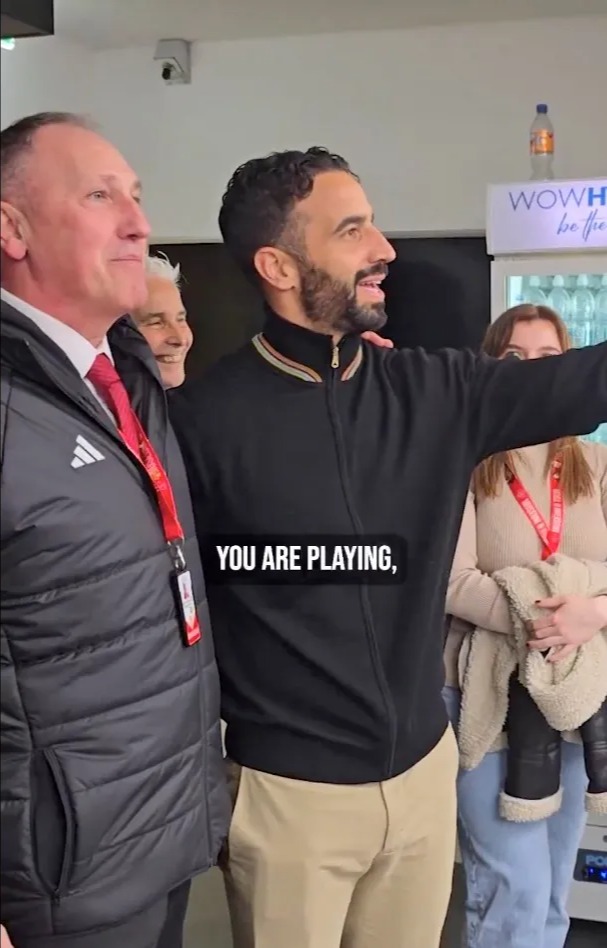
{"x":517,"y":403}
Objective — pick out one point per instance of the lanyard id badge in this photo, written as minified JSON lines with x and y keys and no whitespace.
{"x":186,"y":603}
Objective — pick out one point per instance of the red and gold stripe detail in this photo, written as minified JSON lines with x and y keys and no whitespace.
{"x":352,"y":369}
{"x":298,"y":369}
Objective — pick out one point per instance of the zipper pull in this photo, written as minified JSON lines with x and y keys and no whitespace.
{"x":335,"y":358}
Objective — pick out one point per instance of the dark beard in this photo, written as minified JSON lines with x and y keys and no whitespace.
{"x":333,"y":305}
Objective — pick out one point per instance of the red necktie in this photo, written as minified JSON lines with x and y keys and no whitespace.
{"x":108,"y":383}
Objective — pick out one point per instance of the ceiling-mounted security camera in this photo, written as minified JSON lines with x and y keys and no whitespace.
{"x":175,"y":58}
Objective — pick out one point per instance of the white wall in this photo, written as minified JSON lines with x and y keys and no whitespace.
{"x":45,"y":73}
{"x":427,"y":117}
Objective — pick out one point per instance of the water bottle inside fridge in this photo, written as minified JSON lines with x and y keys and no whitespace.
{"x":600,"y":312}
{"x":535,"y":294}
{"x":559,"y":298}
{"x":582,"y":313}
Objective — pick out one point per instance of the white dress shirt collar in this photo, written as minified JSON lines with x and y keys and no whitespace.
{"x":79,"y":350}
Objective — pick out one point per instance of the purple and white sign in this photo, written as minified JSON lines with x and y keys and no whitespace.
{"x":547,"y":217}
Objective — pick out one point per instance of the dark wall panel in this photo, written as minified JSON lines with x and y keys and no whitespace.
{"x":438,"y":292}
{"x":21,"y":18}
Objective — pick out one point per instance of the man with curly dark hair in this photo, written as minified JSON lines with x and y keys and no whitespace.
{"x":257,"y":212}
{"x":342,"y":761}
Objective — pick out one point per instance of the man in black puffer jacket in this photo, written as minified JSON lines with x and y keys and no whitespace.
{"x":113,"y":794}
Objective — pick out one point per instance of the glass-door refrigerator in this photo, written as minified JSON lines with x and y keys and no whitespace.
{"x":548,"y":240}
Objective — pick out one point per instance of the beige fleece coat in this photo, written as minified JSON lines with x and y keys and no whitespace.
{"x":568,"y":693}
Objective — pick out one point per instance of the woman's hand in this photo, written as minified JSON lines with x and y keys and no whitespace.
{"x":5,"y":941}
{"x":572,"y":620}
{"x":377,"y":340}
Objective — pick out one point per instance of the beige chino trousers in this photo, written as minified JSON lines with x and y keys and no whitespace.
{"x":315,"y":865}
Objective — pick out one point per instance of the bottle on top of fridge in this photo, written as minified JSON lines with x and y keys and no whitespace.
{"x":559,"y":298}
{"x":582,"y":312}
{"x":541,"y":145}
{"x":535,"y":294}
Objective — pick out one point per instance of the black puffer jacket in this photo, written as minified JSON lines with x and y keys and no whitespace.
{"x":112,"y":778}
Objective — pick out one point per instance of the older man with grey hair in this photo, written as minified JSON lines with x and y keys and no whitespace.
{"x":113,"y":794}
{"x":163,"y":319}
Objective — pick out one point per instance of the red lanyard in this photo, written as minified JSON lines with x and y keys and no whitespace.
{"x":550,"y":535}
{"x":145,"y":453}
{"x":107,"y":381}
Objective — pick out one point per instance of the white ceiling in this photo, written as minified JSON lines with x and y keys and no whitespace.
{"x":118,"y":23}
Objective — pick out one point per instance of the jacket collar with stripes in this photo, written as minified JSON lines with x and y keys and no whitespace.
{"x":305,"y":354}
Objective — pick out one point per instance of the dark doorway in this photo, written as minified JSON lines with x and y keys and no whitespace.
{"x":438,"y":294}
{"x":224,"y":311}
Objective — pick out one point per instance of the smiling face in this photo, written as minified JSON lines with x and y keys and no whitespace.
{"x":338,"y":259}
{"x":163,"y":322}
{"x":73,"y":233}
{"x":533,"y":339}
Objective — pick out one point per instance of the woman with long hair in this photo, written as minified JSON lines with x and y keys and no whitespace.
{"x":518,"y":874}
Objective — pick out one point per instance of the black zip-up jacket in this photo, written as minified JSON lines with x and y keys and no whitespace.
{"x":292,"y":436}
{"x":113,"y":790}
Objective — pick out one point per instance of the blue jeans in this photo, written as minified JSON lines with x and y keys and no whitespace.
{"x":518,"y":875}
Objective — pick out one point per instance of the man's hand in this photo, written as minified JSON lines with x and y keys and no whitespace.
{"x":572,"y":621}
{"x":5,"y":941}
{"x":377,"y":340}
